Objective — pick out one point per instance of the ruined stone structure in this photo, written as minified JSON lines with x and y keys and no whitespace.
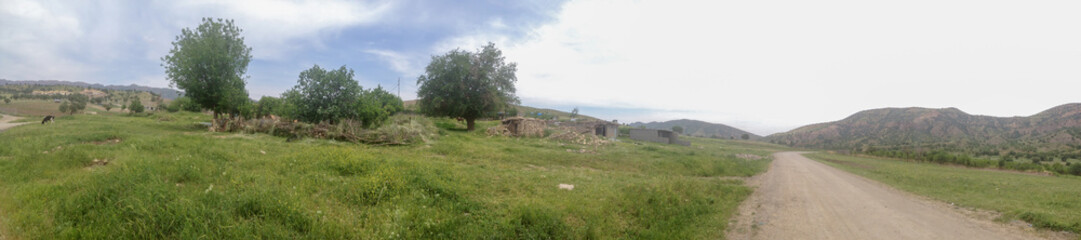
{"x":602,"y":129}
{"x":659,"y":136}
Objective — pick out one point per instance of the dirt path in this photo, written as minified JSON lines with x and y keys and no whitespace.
{"x":5,"y":122}
{"x":799,"y":198}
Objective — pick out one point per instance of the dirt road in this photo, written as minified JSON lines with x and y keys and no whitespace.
{"x":799,"y":198}
{"x":5,"y":122}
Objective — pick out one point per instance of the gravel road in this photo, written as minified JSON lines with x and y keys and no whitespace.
{"x":799,"y":198}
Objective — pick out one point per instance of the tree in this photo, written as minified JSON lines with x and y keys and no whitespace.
{"x":108,"y":107}
{"x":209,"y":64}
{"x":136,"y":106}
{"x":574,"y":113}
{"x":376,"y":106}
{"x":64,"y":107}
{"x":677,"y":129}
{"x":7,"y":100}
{"x":745,"y":136}
{"x":322,"y":95}
{"x":269,"y":106}
{"x":467,"y":84}
{"x":75,"y":103}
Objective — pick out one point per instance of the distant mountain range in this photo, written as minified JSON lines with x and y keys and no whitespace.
{"x":1056,"y":129}
{"x":699,"y":128}
{"x":166,"y":93}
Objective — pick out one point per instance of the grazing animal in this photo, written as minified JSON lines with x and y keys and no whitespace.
{"x":47,"y":119}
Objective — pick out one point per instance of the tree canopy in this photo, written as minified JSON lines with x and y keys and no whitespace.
{"x":209,"y":63}
{"x":322,"y":95}
{"x":467,"y":84}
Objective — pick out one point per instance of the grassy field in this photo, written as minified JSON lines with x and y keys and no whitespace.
{"x":164,"y":177}
{"x":1045,"y":201}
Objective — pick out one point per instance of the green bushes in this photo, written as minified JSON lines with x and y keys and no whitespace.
{"x":400,"y":130}
{"x":1005,"y":162}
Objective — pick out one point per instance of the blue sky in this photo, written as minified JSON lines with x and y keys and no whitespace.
{"x":763,"y":66}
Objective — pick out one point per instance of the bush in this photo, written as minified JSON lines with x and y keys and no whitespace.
{"x":1075,"y":169}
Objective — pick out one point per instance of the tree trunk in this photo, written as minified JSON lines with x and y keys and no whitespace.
{"x":470,"y":123}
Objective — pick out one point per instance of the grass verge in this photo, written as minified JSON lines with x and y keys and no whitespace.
{"x":1044,"y":201}
{"x":162,"y":176}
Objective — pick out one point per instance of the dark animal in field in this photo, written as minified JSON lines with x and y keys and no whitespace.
{"x":47,"y":119}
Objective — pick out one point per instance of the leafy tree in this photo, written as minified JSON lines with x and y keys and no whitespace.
{"x":467,"y":84}
{"x":64,"y":107}
{"x":574,"y":113}
{"x":745,"y":136}
{"x":76,"y":103}
{"x":322,"y":95}
{"x":376,"y":106}
{"x":123,"y":107}
{"x":209,"y":64}
{"x":677,"y":129}
{"x":108,"y":107}
{"x":136,"y":106}
{"x":269,"y":106}
{"x":7,"y":100}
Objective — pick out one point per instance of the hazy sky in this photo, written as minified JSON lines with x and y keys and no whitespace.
{"x":762,"y":66}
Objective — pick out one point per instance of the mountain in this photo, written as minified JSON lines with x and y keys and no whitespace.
{"x":1056,"y":129}
{"x":698,"y":128}
{"x":166,"y":93}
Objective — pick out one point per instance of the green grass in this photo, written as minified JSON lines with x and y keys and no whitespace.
{"x":167,"y":178}
{"x":1045,"y":201}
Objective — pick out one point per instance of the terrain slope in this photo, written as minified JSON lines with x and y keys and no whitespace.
{"x":1058,"y":128}
{"x":699,"y":128}
{"x":799,"y":198}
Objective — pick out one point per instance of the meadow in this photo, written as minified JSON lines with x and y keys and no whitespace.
{"x":1049,"y":202}
{"x":164,"y":176}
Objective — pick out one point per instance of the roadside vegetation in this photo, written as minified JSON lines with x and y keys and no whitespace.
{"x":163,"y":176}
{"x":1044,"y":201}
{"x":1037,"y":163}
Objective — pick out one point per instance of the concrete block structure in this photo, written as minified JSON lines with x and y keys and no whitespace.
{"x":658,"y":136}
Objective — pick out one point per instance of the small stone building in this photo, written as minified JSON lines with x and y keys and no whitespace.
{"x":602,"y":129}
{"x":658,"y":136}
{"x":521,"y":127}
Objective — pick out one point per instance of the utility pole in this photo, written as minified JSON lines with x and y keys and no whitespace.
{"x":399,"y":87}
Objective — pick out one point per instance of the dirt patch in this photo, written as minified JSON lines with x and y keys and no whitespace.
{"x":96,"y":163}
{"x":6,"y":122}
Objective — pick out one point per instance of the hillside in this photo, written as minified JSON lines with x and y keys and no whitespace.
{"x":699,"y":128}
{"x":1055,"y":130}
{"x":164,"y":92}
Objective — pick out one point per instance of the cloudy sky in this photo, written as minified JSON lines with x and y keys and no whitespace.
{"x":764,"y":66}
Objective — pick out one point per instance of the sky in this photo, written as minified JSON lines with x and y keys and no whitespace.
{"x":763,"y":66}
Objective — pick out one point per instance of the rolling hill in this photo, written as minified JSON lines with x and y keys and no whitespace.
{"x":164,"y":92}
{"x":699,"y":128}
{"x":1054,"y":130}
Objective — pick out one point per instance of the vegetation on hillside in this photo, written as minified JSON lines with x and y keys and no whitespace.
{"x":1051,"y":134}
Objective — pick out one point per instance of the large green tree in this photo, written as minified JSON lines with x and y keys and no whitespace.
{"x":467,"y":84}
{"x":322,"y":95}
{"x":209,"y":63}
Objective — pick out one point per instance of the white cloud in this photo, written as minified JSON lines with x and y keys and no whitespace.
{"x":774,"y":65}
{"x":397,"y":61}
{"x":276,"y":28}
